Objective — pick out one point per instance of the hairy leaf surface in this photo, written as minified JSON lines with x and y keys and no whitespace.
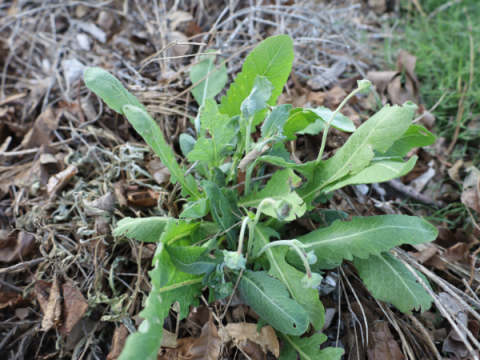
{"x":149,"y":130}
{"x":307,"y":348}
{"x":364,"y":236}
{"x":223,"y":139}
{"x":390,"y":281}
{"x":273,"y":59}
{"x":308,"y":298}
{"x":142,"y":229}
{"x":379,"y":133}
{"x":270,"y":300}
{"x":213,"y":84}
{"x":376,"y":172}
{"x":192,"y":259}
{"x":257,"y":100}
{"x":277,"y":188}
{"x":275,"y":122}
{"x":110,"y":89}
{"x":415,"y":136}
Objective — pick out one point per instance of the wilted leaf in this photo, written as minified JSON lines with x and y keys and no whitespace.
{"x":118,"y":342}
{"x":53,"y":308}
{"x":159,"y":171}
{"x":39,"y":134}
{"x":386,"y":348}
{"x":74,"y":306}
{"x":12,"y":246}
{"x":207,"y":346}
{"x":58,"y":181}
{"x":241,"y":332}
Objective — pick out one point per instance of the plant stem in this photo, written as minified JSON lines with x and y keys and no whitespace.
{"x":294,"y":246}
{"x":247,"y":149}
{"x":242,"y":234}
{"x":327,"y":125}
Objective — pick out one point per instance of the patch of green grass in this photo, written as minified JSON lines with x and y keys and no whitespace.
{"x":442,"y":45}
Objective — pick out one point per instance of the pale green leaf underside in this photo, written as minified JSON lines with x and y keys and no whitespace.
{"x":415,"y":136}
{"x":213,"y":84}
{"x":273,"y":59}
{"x":110,"y":89}
{"x":340,"y":121}
{"x":142,"y":229}
{"x":277,"y":188}
{"x":270,"y":300}
{"x":390,"y":281}
{"x":376,"y":172}
{"x":307,"y":348}
{"x":275,"y":122}
{"x":257,"y":100}
{"x":364,"y":236}
{"x":308,"y":298}
{"x":379,"y":133}
{"x":149,"y":130}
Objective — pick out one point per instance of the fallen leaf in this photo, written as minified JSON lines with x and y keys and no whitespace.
{"x":53,"y":310}
{"x":334,"y":97}
{"x":12,"y":246}
{"x":198,"y":317}
{"x":39,"y":134}
{"x":74,"y":307}
{"x":120,"y":194}
{"x":379,"y":6}
{"x":169,"y":340}
{"x":426,"y":254}
{"x":456,"y":253}
{"x":329,"y":76}
{"x":160,"y":172}
{"x":471,"y":199}
{"x":143,"y":198}
{"x":180,"y":352}
{"x":207,"y":346}
{"x":42,"y":292}
{"x":60,"y":180}
{"x":240,"y":332}
{"x":254,"y":351}
{"x":386,"y":348}
{"x":9,"y":299}
{"x":119,"y":337}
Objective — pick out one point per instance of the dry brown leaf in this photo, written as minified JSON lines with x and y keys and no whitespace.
{"x":180,"y":352}
{"x":386,"y":348}
{"x":198,"y":317}
{"x":329,"y":76}
{"x":120,"y":193}
{"x":39,"y":134}
{"x":379,"y":6}
{"x":426,"y":254}
{"x":169,"y":340}
{"x":254,"y":351}
{"x":9,"y":299}
{"x":207,"y":346}
{"x":12,"y":246}
{"x":334,"y":97}
{"x":53,"y":309}
{"x":22,"y":313}
{"x":143,"y":198}
{"x":60,"y":180}
{"x":160,"y":172}
{"x":119,"y":337}
{"x":240,"y":332}
{"x":74,"y":306}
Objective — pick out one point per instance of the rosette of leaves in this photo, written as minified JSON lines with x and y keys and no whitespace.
{"x":242,"y":245}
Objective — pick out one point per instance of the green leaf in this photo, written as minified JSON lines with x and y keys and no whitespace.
{"x":277,"y":188}
{"x":142,"y":229}
{"x":297,"y":121}
{"x":276,"y":121}
{"x":390,"y":281}
{"x":258,"y":97}
{"x":223,"y":136}
{"x":221,"y":211}
{"x":204,"y":231}
{"x":364,"y":236}
{"x":187,"y":143}
{"x":290,"y":277}
{"x":415,"y":136}
{"x":273,"y":59}
{"x":340,"y":121}
{"x":376,"y":172}
{"x":212,"y":85}
{"x":379,"y":133}
{"x":307,"y":348}
{"x":149,"y":130}
{"x":110,"y":89}
{"x":195,"y":209}
{"x":192,"y":259}
{"x":269,"y":299}
{"x":185,"y":289}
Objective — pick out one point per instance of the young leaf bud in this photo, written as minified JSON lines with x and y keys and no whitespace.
{"x":225,"y":289}
{"x":234,"y":260}
{"x":283,"y":209}
{"x":311,"y":257}
{"x":312,"y":281}
{"x":364,"y":86}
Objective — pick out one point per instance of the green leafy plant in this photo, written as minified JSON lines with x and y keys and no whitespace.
{"x":242,"y":249}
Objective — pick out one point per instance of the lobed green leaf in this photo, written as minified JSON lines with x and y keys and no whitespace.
{"x":307,"y":348}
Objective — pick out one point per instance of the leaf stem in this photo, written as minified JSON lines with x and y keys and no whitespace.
{"x":245,"y":222}
{"x":295,"y":245}
{"x":327,"y":125}
{"x":248,"y":176}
